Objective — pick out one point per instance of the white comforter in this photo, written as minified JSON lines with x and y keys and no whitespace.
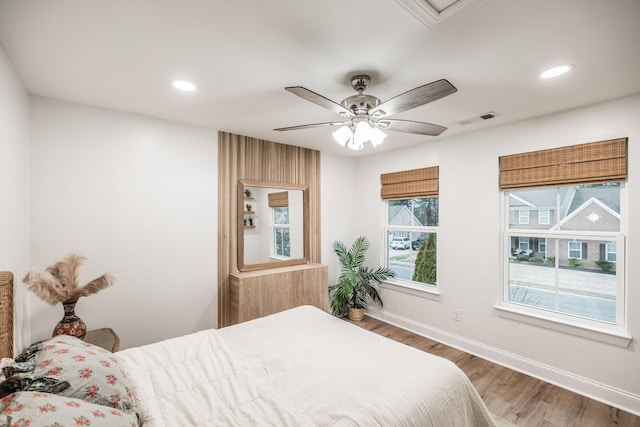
{"x":301,"y":367}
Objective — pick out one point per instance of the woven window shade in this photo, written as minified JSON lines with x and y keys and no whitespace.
{"x":279,"y":200}
{"x":410,"y":184}
{"x":585,"y":163}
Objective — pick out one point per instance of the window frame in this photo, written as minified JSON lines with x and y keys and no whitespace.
{"x":613,"y":333}
{"x":275,"y":227}
{"x":426,"y":290}
{"x":523,"y":219}
{"x":547,"y":217}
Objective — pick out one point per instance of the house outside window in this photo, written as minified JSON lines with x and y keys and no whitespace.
{"x":281,"y":234}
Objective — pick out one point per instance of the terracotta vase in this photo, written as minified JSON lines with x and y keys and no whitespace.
{"x":356,"y":314}
{"x":70,"y":324}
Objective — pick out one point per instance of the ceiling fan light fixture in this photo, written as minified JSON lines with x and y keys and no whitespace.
{"x":377,"y":136}
{"x":556,"y":71}
{"x":342,"y":135}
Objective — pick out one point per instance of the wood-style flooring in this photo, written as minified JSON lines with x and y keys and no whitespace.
{"x":518,"y":398}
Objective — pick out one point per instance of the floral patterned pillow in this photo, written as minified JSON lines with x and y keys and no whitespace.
{"x":34,"y":409}
{"x":70,"y":367}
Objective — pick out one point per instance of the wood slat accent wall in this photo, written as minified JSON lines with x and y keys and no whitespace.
{"x":6,"y":314}
{"x":243,"y":157}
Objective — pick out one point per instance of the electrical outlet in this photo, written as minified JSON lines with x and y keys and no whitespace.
{"x":457,"y":315}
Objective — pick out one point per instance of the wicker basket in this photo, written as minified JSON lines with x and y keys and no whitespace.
{"x":356,"y":314}
{"x":6,"y":314}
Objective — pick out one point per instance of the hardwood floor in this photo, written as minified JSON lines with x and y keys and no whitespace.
{"x":518,"y":398}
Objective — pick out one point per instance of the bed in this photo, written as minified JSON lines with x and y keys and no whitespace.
{"x":300,"y":367}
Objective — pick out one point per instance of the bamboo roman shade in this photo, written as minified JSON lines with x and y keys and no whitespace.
{"x":410,"y":184}
{"x":279,"y":200}
{"x":585,"y":163}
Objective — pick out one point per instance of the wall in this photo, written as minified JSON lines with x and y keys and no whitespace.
{"x":137,"y":197}
{"x":15,"y":191}
{"x":469,"y":265}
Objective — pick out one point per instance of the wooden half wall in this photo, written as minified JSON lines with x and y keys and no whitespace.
{"x":243,"y":157}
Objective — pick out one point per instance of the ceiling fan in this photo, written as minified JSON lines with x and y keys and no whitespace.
{"x":366,"y":116}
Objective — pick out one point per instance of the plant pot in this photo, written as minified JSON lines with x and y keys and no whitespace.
{"x":70,"y":324}
{"x":356,"y":314}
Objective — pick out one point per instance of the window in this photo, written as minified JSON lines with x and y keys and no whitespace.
{"x":410,"y":226}
{"x":410,"y":230}
{"x":610,"y":252}
{"x":280,"y":225}
{"x":523,"y":217}
{"x":567,"y":275}
{"x":573,"y":279}
{"x":544,"y":216}
{"x":575,"y":250}
{"x":542,"y":247}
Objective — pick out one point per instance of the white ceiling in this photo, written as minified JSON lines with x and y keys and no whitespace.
{"x":122,"y":54}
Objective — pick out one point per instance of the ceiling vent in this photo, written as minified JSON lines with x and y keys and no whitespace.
{"x":435,"y":13}
{"x":480,"y":118}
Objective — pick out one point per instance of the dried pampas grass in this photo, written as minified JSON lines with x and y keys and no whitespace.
{"x":61,"y":282}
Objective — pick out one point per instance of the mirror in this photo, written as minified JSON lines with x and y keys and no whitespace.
{"x":273,"y":225}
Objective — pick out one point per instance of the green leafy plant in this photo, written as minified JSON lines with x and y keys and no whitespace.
{"x":356,"y":284}
{"x":605,"y":265}
{"x":574,"y":263}
{"x":426,"y":266}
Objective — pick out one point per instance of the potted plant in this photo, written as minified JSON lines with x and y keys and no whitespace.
{"x":356,"y":285}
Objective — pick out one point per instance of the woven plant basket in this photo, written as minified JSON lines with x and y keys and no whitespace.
{"x":356,"y":314}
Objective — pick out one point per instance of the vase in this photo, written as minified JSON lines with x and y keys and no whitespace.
{"x":70,"y":324}
{"x":356,"y":314}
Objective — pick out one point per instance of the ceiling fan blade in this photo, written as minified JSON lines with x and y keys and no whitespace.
{"x":320,"y":100}
{"x":414,"y":98}
{"x":409,"y":126}
{"x":312,"y":125}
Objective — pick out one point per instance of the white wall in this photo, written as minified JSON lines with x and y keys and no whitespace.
{"x":341,"y":215}
{"x":15,"y":186}
{"x":137,"y":197}
{"x":469,"y":250}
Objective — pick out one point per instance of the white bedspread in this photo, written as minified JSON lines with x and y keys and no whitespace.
{"x":301,"y":367}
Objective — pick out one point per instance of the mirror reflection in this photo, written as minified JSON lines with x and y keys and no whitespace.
{"x":271,"y":225}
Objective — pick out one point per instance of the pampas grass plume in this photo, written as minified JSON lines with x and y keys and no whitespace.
{"x":60,"y":282}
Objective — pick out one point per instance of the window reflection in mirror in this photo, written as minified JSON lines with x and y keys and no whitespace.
{"x":272,"y":225}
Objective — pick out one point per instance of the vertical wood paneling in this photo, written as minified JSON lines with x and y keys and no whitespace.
{"x":243,"y":157}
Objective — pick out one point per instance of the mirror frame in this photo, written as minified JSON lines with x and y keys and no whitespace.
{"x":242,"y":184}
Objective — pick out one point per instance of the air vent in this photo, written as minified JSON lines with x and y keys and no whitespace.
{"x":480,"y":118}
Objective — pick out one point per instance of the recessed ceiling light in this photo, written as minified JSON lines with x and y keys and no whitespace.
{"x":556,"y":71}
{"x":183,"y":85}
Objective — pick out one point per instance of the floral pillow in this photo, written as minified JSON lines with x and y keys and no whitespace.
{"x":34,"y":409}
{"x":70,"y":367}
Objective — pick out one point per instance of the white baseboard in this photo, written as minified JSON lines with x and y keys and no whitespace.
{"x":620,"y":399}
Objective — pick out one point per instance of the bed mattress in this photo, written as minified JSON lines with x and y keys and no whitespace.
{"x":300,"y":367}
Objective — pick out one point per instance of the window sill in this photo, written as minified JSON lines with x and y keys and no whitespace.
{"x":432,"y":293}
{"x":602,"y":335}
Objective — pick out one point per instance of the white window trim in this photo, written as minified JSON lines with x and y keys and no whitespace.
{"x":275,"y":226}
{"x":600,"y":331}
{"x":579,"y":249}
{"x":427,"y":290}
{"x":522,"y":218}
